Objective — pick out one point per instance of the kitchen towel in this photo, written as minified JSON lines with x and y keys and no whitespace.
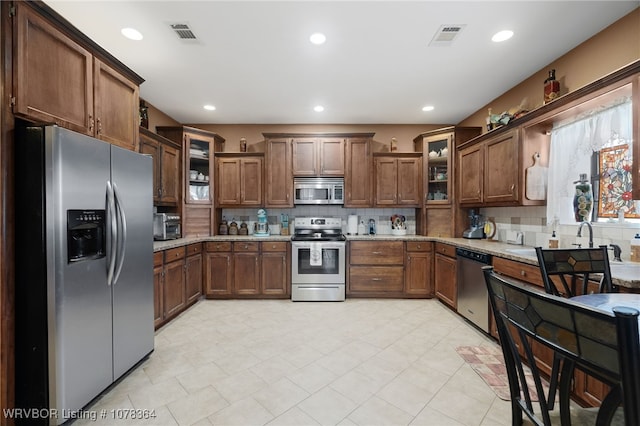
{"x":315,"y":254}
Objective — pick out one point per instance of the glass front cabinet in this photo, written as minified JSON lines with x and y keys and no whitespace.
{"x":199,"y":169}
{"x":199,"y":148}
{"x":437,"y":169}
{"x":438,"y":149}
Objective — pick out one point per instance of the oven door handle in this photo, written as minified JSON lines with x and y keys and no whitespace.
{"x":324,"y":245}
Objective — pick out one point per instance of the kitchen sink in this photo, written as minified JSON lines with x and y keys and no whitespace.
{"x":528,"y":251}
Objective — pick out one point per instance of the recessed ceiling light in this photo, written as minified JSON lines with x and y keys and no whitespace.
{"x":318,"y":108}
{"x":427,"y":108}
{"x":131,"y":34}
{"x":209,"y":107}
{"x":502,"y":36}
{"x":317,"y":38}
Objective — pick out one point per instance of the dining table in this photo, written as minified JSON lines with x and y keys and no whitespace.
{"x":607,"y":301}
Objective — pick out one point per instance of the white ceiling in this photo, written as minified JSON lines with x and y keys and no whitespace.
{"x":254,"y":62}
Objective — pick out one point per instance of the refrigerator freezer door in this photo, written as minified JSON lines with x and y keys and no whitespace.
{"x":79,"y":299}
{"x":133,"y":329}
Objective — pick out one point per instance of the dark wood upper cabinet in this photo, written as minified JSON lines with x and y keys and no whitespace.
{"x":166,"y":167}
{"x":358,"y":172}
{"x":60,"y":79}
{"x":321,"y":156}
{"x":278,"y":175}
{"x":398,"y":179}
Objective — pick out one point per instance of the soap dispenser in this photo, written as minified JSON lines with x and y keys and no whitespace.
{"x":635,"y":249}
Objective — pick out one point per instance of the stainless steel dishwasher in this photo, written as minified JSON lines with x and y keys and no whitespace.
{"x":473,"y":299}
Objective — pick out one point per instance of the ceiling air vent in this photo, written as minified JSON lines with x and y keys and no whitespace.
{"x":183,"y":31}
{"x":446,"y":34}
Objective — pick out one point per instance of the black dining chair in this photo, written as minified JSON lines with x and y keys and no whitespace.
{"x":606,"y":345}
{"x":569,"y":273}
{"x":574,"y":269}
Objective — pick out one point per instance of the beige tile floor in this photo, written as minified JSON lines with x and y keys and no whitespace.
{"x":261,"y":362}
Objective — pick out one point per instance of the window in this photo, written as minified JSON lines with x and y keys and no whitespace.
{"x":598,"y":144}
{"x":613,"y":164}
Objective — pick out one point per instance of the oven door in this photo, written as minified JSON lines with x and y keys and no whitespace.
{"x":318,"y":262}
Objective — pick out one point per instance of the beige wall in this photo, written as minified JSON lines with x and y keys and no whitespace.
{"x":253,"y":133}
{"x":159,"y":118}
{"x":612,"y":48}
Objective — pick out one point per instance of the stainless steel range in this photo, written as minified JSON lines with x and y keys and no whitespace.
{"x":318,"y":259}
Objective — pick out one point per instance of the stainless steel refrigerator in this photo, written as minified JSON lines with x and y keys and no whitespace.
{"x":84,"y":267}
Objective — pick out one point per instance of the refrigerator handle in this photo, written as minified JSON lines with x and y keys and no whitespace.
{"x":122,"y":234}
{"x":112,"y":233}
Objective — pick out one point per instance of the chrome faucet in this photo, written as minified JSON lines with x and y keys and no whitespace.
{"x":617,"y":251}
{"x":579,"y":234}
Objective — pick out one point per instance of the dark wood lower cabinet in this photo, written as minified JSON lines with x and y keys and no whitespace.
{"x":445,"y":277}
{"x":158,"y":286}
{"x":177,"y":281}
{"x":275,"y":270}
{"x":193,"y":278}
{"x":218,"y":269}
{"x":174,"y":294}
{"x":376,"y":269}
{"x":247,"y":270}
{"x":418,"y":269}
{"x":246,"y":274}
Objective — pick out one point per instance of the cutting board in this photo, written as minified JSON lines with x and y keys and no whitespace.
{"x":536,"y":180}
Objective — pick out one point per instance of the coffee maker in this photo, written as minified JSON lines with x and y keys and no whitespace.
{"x":476,"y":226}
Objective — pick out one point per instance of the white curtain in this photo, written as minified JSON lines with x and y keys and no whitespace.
{"x":572,"y":145}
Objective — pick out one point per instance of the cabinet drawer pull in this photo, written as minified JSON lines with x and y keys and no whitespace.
{"x":376,"y":252}
{"x":376,"y":279}
{"x":523,"y":273}
{"x":246,"y":246}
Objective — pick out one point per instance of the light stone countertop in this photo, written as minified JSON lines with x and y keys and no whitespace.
{"x":625,"y":274}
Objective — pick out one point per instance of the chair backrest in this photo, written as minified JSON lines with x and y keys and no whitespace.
{"x":606,"y":345}
{"x":568,"y":267}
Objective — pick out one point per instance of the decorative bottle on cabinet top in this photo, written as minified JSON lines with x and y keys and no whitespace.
{"x":551,"y":87}
{"x":583,"y":199}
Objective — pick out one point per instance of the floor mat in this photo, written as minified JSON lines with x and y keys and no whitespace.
{"x":488,"y":362}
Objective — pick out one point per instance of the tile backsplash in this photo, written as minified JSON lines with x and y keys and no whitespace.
{"x":381,"y":216}
{"x":532,"y":222}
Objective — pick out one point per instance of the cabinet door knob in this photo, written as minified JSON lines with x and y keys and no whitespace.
{"x":90,"y":123}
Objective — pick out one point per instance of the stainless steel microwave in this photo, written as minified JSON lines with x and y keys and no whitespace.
{"x":318,"y":190}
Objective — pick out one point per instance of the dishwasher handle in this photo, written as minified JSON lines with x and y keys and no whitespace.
{"x":483,"y":258}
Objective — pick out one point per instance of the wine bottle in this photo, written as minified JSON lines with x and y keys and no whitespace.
{"x":551,"y":87}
